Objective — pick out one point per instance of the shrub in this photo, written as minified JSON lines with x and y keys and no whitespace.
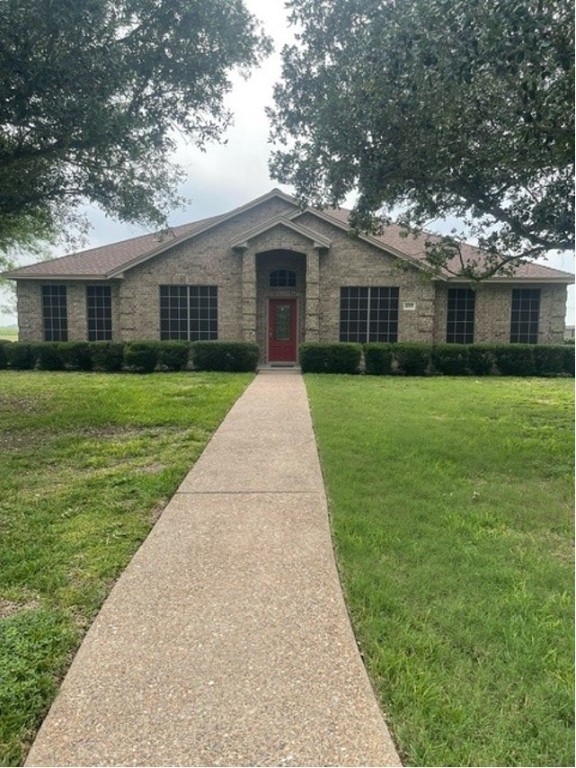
{"x":107,"y":356}
{"x":568,"y":365}
{"x":340,"y":357}
{"x":412,"y":358}
{"x":451,"y":359}
{"x":20,"y":356}
{"x":231,"y":356}
{"x":514,"y":359}
{"x":76,"y":355}
{"x":378,"y":359}
{"x":141,"y":356}
{"x":481,"y":359}
{"x":549,"y":359}
{"x":173,"y":355}
{"x":3,"y":354}
{"x":46,"y":355}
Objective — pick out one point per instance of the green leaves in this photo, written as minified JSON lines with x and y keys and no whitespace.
{"x":91,"y":92}
{"x":442,"y":107}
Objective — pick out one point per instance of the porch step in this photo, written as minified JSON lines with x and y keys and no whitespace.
{"x":278,"y":369}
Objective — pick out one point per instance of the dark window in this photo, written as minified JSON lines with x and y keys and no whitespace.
{"x":368,"y":314}
{"x":525,"y":315}
{"x":55,"y":313}
{"x":99,"y":312}
{"x":283,"y":278}
{"x":460,"y":321}
{"x":189,"y":312}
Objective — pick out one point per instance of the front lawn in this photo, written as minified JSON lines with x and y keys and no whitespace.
{"x":452,"y":512}
{"x":87,"y":462}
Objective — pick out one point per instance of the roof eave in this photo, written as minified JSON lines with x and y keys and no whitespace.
{"x":47,"y":276}
{"x":517,"y":279}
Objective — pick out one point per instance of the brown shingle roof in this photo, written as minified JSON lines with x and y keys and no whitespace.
{"x":109,"y":260}
{"x":414,"y":247}
{"x":98,"y":262}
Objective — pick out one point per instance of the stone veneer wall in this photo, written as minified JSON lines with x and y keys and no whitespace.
{"x":494,"y":308}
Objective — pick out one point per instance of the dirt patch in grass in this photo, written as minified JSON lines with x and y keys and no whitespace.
{"x":152,"y":469}
{"x":10,"y":607}
{"x":15,"y":439}
{"x":24,"y":404}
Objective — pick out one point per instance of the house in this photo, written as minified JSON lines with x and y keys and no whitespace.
{"x":278,"y":275}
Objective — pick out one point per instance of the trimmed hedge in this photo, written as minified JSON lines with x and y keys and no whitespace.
{"x":47,"y":356}
{"x":107,"y":356}
{"x":341,"y":357}
{"x":451,"y":359}
{"x":173,"y":355}
{"x":378,"y":359}
{"x":407,"y":358}
{"x":514,"y":359}
{"x":412,"y":358}
{"x":231,"y":356}
{"x":20,"y":356}
{"x":76,"y":355}
{"x":141,"y":356}
{"x":480,"y":359}
{"x":569,"y":356}
{"x":549,"y":359}
{"x":3,"y":354}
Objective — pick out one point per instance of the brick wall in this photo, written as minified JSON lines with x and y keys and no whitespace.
{"x":242,"y":277}
{"x":29,"y":295}
{"x":493,"y":313}
{"x":351,"y":262}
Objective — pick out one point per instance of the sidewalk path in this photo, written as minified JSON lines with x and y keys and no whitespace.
{"x":226,"y":640}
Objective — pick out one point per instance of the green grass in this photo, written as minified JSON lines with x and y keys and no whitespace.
{"x":9,"y":332}
{"x":452,"y":510}
{"x":87,"y":462}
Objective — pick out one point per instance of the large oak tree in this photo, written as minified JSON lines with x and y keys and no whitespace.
{"x":435,"y":108}
{"x":93,"y":94}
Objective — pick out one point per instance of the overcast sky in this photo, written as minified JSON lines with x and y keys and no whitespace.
{"x":229,"y":175}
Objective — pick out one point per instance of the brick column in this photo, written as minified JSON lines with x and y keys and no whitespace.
{"x":312,"y":329}
{"x":248,"y":295}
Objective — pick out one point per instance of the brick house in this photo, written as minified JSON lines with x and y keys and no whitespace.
{"x":275,"y":274}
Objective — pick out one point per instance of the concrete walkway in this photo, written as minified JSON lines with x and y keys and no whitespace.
{"x":226,"y":640}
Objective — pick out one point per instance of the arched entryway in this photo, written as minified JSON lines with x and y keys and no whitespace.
{"x":280,"y":304}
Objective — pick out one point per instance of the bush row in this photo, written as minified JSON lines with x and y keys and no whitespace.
{"x":409,"y":358}
{"x":137,"y":356}
{"x":414,"y":359}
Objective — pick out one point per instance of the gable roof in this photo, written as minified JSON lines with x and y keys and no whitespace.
{"x":113,"y":260}
{"x":317,"y":239}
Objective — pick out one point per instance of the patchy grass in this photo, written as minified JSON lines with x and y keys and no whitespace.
{"x":452,"y":511}
{"x":87,"y":462}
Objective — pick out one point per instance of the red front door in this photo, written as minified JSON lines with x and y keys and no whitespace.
{"x":282,"y":330}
